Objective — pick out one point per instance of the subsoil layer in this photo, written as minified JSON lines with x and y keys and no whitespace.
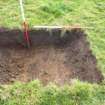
{"x":51,"y":57}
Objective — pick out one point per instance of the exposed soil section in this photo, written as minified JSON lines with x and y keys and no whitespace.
{"x":51,"y":58}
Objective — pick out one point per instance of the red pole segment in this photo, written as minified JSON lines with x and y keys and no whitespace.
{"x":26,"y":34}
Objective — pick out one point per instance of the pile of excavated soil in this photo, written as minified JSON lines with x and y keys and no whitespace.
{"x":51,"y":58}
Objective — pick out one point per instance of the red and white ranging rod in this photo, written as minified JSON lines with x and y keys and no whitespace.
{"x":25,"y":25}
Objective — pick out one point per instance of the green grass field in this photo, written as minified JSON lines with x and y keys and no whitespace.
{"x":86,"y":13}
{"x":34,"y":93}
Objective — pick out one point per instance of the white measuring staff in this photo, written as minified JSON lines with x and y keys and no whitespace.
{"x":22,"y":10}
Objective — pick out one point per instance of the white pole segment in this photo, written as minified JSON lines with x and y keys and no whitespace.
{"x":60,"y":27}
{"x":22,"y":10}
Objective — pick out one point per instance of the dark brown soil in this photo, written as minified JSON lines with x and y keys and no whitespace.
{"x":51,"y":58}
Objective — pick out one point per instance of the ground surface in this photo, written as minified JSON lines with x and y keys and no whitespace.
{"x":89,"y":13}
{"x":51,"y":58}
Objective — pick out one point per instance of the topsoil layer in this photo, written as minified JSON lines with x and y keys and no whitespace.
{"x":51,"y":57}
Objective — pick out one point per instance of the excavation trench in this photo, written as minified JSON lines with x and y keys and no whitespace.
{"x":51,"y":58}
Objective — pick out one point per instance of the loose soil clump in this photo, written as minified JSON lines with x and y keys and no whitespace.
{"x":51,"y":58}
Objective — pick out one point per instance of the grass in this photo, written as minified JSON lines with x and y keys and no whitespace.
{"x":87,"y":13}
{"x":35,"y":93}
